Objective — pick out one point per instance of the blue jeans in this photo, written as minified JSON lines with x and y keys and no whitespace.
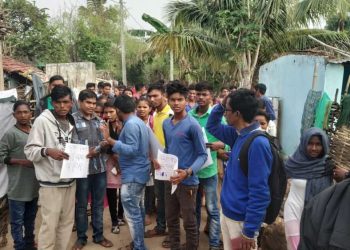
{"x":209,"y":187}
{"x":96,"y":184}
{"x":22,"y":216}
{"x":132,"y":195}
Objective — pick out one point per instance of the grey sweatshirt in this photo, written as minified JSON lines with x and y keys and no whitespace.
{"x":46,"y":133}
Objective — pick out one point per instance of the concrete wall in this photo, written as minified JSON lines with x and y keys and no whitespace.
{"x":290,"y":78}
{"x":76,"y":74}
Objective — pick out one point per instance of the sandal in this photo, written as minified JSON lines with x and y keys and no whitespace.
{"x":78,"y":245}
{"x":105,"y":243}
{"x":166,"y":242}
{"x":154,"y":233}
{"x":127,"y":247}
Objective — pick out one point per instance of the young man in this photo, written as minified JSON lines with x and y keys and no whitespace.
{"x":243,"y":199}
{"x":91,"y":86}
{"x":208,"y":177}
{"x":45,"y":148}
{"x":46,"y":101}
{"x":106,"y":91}
{"x":191,"y":100}
{"x":23,"y":187}
{"x":260,"y":90}
{"x":156,"y":95}
{"x":133,"y":150}
{"x":141,"y":90}
{"x":87,"y":129}
{"x":183,"y":138}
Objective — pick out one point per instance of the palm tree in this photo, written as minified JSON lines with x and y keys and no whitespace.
{"x":236,"y":35}
{"x":315,"y":10}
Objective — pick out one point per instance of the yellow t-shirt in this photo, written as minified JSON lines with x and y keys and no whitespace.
{"x":158,"y":120}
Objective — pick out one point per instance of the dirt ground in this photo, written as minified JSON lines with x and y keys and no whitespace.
{"x":122,"y":239}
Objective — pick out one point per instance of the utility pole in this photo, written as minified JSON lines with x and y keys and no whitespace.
{"x":122,"y":42}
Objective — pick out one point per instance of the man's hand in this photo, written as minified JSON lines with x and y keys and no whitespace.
{"x":57,"y":154}
{"x":215,"y":146}
{"x":105,"y":131}
{"x":104,"y":144}
{"x":242,"y":243}
{"x":92,"y":153}
{"x":339,"y":174}
{"x":222,"y":154}
{"x":22,"y":162}
{"x":156,"y":164}
{"x":179,"y":177}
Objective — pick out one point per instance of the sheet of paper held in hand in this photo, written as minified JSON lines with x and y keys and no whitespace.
{"x":168,"y":164}
{"x":78,"y":164}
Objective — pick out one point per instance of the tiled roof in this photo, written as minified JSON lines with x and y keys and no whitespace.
{"x":11,"y":65}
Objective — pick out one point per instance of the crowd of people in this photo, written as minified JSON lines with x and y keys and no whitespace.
{"x":118,"y":123}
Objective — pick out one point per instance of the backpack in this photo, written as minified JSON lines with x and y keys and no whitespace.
{"x":277,"y":179}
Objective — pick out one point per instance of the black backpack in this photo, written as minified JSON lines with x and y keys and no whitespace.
{"x":277,"y":179}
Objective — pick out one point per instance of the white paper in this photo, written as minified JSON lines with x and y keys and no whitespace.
{"x":209,"y":160}
{"x":78,"y":164}
{"x":168,"y":164}
{"x":8,"y":93}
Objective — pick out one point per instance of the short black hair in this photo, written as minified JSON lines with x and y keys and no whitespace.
{"x":128,"y":89}
{"x":100,"y":85}
{"x":192,"y":87}
{"x":99,"y":104}
{"x":125,"y":104}
{"x":121,"y":87}
{"x":86,"y":94}
{"x":101,"y":97}
{"x":107,"y":84}
{"x":59,"y":92}
{"x":261,"y":88}
{"x":109,"y":104}
{"x":156,"y":86}
{"x":232,"y":87}
{"x":143,"y":99}
{"x":55,"y":78}
{"x":263,"y":113}
{"x":224,"y":87}
{"x":20,"y":103}
{"x":203,"y":86}
{"x":90,"y":85}
{"x":139,"y":86}
{"x":176,"y":87}
{"x":244,"y":101}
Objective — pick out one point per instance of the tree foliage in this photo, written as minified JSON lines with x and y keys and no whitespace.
{"x":32,"y":38}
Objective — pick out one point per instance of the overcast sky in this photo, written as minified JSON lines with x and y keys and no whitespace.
{"x":135,"y":8}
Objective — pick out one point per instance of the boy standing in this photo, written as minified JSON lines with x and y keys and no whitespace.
{"x":23,"y":186}
{"x":87,"y":129}
{"x":183,"y":138}
{"x":45,"y":148}
{"x":208,"y":177}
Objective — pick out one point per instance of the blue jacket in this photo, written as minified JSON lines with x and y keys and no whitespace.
{"x":186,"y":141}
{"x":269,"y":108}
{"x":133,"y":150}
{"x":243,"y":198}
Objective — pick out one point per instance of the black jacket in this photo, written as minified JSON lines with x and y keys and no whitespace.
{"x":325,"y":223}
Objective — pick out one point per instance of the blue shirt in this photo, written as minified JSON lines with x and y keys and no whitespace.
{"x":244,"y":198}
{"x":269,"y":108}
{"x":185,"y":140}
{"x":133,"y":150}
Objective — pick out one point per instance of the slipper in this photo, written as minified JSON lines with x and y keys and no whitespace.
{"x":78,"y":245}
{"x":166,"y":242}
{"x":105,"y":243}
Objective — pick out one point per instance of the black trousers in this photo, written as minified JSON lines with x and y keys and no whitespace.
{"x":114,"y":200}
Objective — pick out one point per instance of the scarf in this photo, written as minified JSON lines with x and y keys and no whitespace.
{"x":317,"y":171}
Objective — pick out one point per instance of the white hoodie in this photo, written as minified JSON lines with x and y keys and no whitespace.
{"x":45,"y":133}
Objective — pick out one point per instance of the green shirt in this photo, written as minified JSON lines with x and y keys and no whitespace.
{"x":202,"y":120}
{"x":49,"y":103}
{"x":23,"y":185}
